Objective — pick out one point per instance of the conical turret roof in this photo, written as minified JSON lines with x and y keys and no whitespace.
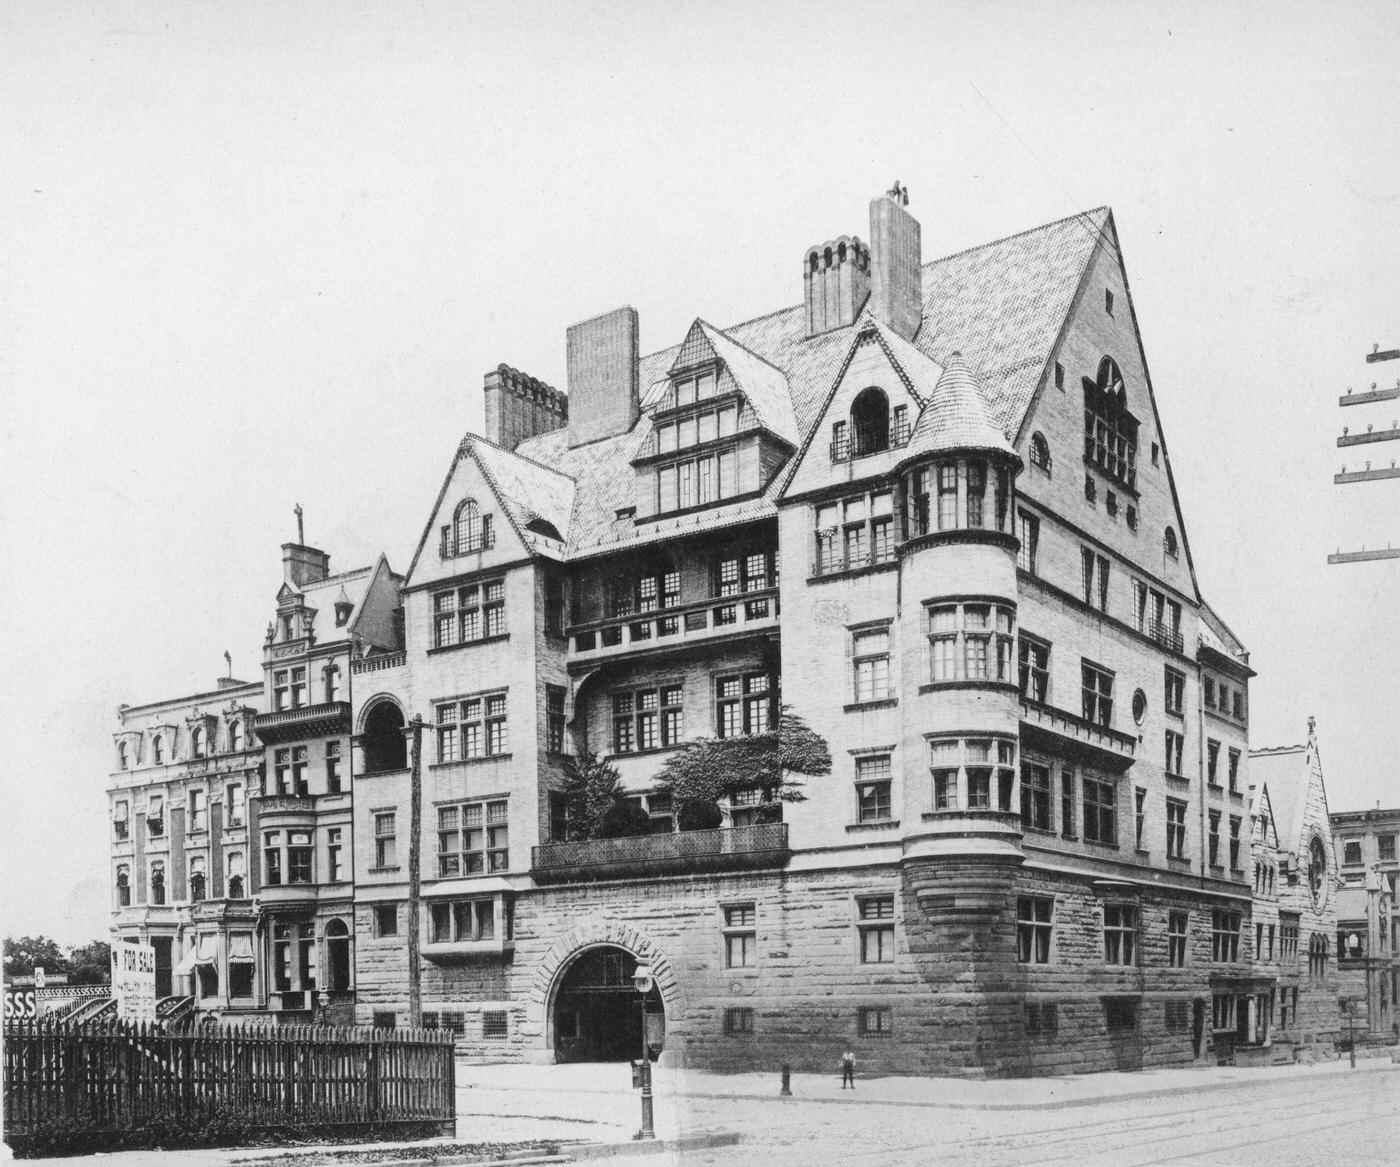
{"x":956,"y":417}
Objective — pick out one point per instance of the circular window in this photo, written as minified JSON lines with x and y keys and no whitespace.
{"x":1139,"y":706}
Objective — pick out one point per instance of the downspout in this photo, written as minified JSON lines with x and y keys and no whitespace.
{"x":415,"y":987}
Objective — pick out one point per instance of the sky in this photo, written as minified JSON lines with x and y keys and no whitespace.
{"x":257,"y":255}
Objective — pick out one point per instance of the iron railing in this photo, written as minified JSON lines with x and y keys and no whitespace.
{"x":858,"y":441}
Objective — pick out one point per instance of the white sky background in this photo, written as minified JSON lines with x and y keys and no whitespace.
{"x":262,"y":254}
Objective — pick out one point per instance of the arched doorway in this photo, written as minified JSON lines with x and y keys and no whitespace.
{"x":384,"y":744}
{"x":598,"y":1013}
{"x":337,"y":957}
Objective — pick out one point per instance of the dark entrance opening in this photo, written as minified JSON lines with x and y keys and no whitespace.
{"x":337,"y":957}
{"x":598,"y":1013}
{"x":164,"y":978}
{"x":385,"y":746}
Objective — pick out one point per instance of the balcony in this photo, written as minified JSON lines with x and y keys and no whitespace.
{"x":1066,"y":734}
{"x":672,"y":627}
{"x":1164,"y":634}
{"x":835,"y":560}
{"x":682,"y":853}
{"x":870,"y":439}
{"x":373,"y":664}
{"x":286,"y":804}
{"x":451,"y":547}
{"x":323,"y":720}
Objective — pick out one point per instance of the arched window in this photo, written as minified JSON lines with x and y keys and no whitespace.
{"x":196,"y":742}
{"x":198,"y":888}
{"x":1110,"y":430}
{"x":544,"y":527}
{"x":1169,"y":544}
{"x":1040,"y":452}
{"x":470,"y":530}
{"x":235,"y":736}
{"x":385,"y":748}
{"x":123,"y":887}
{"x":235,"y":875}
{"x":158,"y":882}
{"x":337,"y":956}
{"x":123,"y":760}
{"x":870,"y":422}
{"x":157,"y":749}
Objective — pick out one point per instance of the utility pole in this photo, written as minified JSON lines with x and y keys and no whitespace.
{"x":1371,"y":396}
{"x":414,"y":732}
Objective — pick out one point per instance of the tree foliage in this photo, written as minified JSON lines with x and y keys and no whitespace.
{"x":704,"y":771}
{"x":90,"y":964}
{"x":85,"y":964}
{"x":597,"y":808}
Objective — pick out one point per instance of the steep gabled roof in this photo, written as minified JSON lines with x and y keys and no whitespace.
{"x":528,"y":492}
{"x":1288,"y":772}
{"x":763,"y":386}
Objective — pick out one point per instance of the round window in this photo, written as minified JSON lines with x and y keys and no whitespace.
{"x":1139,"y":706}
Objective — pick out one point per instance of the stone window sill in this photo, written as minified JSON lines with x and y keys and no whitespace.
{"x":469,"y":643}
{"x":383,"y":870}
{"x":470,"y":761}
{"x":876,"y":825}
{"x":861,"y":706}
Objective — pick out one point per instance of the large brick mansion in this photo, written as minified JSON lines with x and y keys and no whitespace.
{"x":931,"y":509}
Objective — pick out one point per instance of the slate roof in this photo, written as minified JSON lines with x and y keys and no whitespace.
{"x":957,"y":417}
{"x":1001,"y":305}
{"x":528,"y":491}
{"x":323,"y":594}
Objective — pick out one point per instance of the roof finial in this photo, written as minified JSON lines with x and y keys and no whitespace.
{"x":228,"y":660}
{"x":301,"y":535}
{"x":900,"y":194}
{"x":1312,"y":726}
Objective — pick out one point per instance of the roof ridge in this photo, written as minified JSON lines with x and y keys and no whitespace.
{"x":474,"y":438}
{"x":1298,"y":749}
{"x":1015,"y":235}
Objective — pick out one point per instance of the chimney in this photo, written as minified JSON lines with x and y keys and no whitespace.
{"x":302,"y":565}
{"x":519,"y":407}
{"x":603,"y":372}
{"x":896,"y":284}
{"x":836,"y":275}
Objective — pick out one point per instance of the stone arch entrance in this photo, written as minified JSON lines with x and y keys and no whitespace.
{"x":596,"y":1013}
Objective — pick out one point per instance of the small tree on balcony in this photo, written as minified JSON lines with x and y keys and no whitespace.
{"x":703,"y":772}
{"x":597,"y":809}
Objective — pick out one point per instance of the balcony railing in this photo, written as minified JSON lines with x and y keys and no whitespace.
{"x":1164,"y":634}
{"x":683,"y":624}
{"x":834,"y":560}
{"x":681,"y":853}
{"x":861,"y":440}
{"x":323,"y":719}
{"x":450,"y":547}
{"x":373,"y":664}
{"x":273,"y":803}
{"x":1061,"y":732}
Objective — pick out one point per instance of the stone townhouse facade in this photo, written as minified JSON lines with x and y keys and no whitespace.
{"x":1368,"y":920}
{"x":931,"y":510}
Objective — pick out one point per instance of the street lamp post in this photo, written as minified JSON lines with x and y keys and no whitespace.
{"x":643,"y":980}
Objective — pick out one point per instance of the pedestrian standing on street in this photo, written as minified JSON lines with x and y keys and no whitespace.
{"x":848,"y":1070}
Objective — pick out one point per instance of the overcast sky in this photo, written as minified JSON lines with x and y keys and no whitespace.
{"x":261,"y":254}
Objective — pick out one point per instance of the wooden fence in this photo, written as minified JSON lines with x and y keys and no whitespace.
{"x":118,"y":1076}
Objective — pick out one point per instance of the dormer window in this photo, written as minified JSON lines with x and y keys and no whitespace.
{"x":123,"y":757}
{"x":696,"y":481}
{"x":696,"y":429}
{"x":158,"y":750}
{"x":696,"y":387}
{"x":873,"y":427}
{"x":197,"y":749}
{"x":470,"y":531}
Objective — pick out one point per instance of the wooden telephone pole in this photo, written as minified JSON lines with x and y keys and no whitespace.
{"x":1369,"y":474}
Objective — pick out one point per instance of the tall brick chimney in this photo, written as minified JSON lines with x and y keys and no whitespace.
{"x":896,"y":280}
{"x":519,"y":407}
{"x":836,"y":275}
{"x":603,"y":375}
{"x":303,"y":565}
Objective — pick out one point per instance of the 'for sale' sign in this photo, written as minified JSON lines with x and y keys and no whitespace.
{"x":134,"y":981}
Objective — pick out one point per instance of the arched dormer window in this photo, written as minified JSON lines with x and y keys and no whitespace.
{"x":469,"y":531}
{"x":123,"y":757}
{"x":544,"y":527}
{"x":870,"y":422}
{"x":235,"y":736}
{"x":1169,"y":544}
{"x":196,"y":742}
{"x":1110,"y":429}
{"x":123,"y":886}
{"x":158,"y":750}
{"x":1040,"y":452}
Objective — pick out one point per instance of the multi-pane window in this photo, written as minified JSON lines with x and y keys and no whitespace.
{"x":469,"y":613}
{"x":870,"y":658}
{"x":1288,"y":941}
{"x":335,"y":863}
{"x":1176,"y":829}
{"x":1041,"y":1017}
{"x":299,"y":786}
{"x":299,"y":857}
{"x":1175,"y":687}
{"x":1096,"y":687}
{"x":1100,"y":811}
{"x":1028,"y":536}
{"x":461,"y":921}
{"x":740,"y":935}
{"x":971,"y":642}
{"x":1035,"y":668}
{"x":1139,"y":815}
{"x":875,"y":925}
{"x":1235,"y":823}
{"x":1385,"y":848}
{"x":1035,"y":796}
{"x":652,"y":590}
{"x":1177,"y":923}
{"x":647,"y":719}
{"x":1156,"y":616}
{"x":855,"y":532}
{"x":1224,"y":935}
{"x":333,"y":767}
{"x":1119,"y":934}
{"x":749,"y":571}
{"x":554,"y":718}
{"x":744,"y":704}
{"x":1110,"y":431}
{"x":272,"y":858}
{"x":873,"y":801}
{"x":697,"y":481}
{"x":199,"y":811}
{"x":875,"y":1021}
{"x":1175,"y":743}
{"x":385,"y":840}
{"x":471,"y":727}
{"x":1234,"y":764}
{"x":470,"y":530}
{"x":473,"y":837}
{"x":697,"y":428}
{"x":1094,"y":578}
{"x":1214,"y":838}
{"x":972,"y":773}
{"x":1033,"y":925}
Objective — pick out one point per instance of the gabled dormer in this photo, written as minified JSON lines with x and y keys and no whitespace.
{"x":721,"y":424}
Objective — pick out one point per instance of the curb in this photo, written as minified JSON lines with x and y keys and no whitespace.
{"x":696,"y":1142}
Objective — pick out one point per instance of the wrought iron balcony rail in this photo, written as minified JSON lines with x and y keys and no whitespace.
{"x":450,"y":547}
{"x":833,"y":560}
{"x":1164,"y":634}
{"x":682,"y":852}
{"x":858,"y":441}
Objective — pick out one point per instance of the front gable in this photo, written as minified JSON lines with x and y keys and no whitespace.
{"x":835,"y":451}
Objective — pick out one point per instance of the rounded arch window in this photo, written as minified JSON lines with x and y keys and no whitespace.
{"x":1139,"y":706}
{"x":1169,"y":543}
{"x":123,"y":758}
{"x":1040,"y":452}
{"x":196,"y":742}
{"x":235,"y":735}
{"x":870,"y":422}
{"x":158,"y":749}
{"x":1110,"y":377}
{"x":470,"y":530}
{"x":384,"y":744}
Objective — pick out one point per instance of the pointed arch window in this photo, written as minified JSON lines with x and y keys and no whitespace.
{"x":470,"y":531}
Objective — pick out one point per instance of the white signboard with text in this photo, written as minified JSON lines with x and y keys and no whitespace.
{"x":134,"y":981}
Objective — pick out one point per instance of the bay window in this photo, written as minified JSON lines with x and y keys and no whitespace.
{"x":970,"y":642}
